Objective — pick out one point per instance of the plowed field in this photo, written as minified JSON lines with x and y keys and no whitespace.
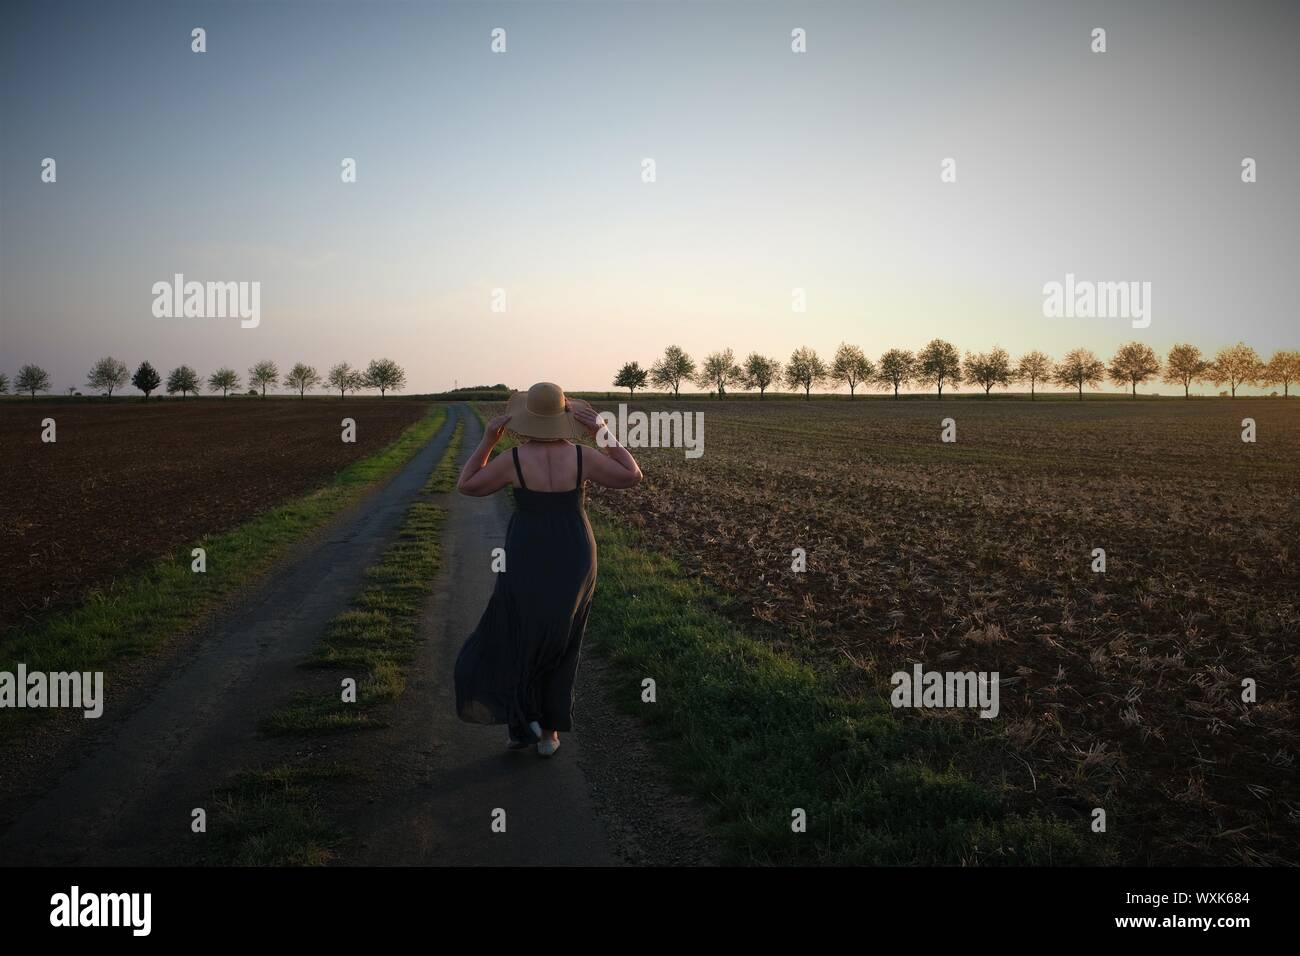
{"x":127,"y":481}
{"x":1121,"y":690}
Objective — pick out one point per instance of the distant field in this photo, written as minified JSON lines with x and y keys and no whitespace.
{"x":127,"y":481}
{"x":1119,"y":690}
{"x":969,"y":394}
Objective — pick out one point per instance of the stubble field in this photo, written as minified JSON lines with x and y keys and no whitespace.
{"x":126,"y":481}
{"x":1120,"y":690}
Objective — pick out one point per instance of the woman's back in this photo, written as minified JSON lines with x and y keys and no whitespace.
{"x":548,"y":466}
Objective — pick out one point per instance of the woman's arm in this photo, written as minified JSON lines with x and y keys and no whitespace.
{"x":615,"y":468}
{"x":479,"y":478}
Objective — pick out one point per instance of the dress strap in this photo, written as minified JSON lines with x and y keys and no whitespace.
{"x":579,"y":447}
{"x":519,"y":471}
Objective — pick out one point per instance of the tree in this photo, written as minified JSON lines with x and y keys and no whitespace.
{"x":1238,"y":365}
{"x":1184,"y":366}
{"x":302,"y":377}
{"x":1282,"y":369}
{"x":631,"y":377}
{"x":1079,"y":368}
{"x":851,"y":366}
{"x":4,"y":384}
{"x":1034,"y":367}
{"x":385,"y":375}
{"x":183,"y":379}
{"x":107,"y":374}
{"x":223,"y":380}
{"x":32,"y":378}
{"x":897,"y":367}
{"x":671,"y":370}
{"x":987,"y":369}
{"x":939,"y":363}
{"x":760,"y":372}
{"x":718,"y":371}
{"x":345,"y":378}
{"x":146,"y":379}
{"x":804,"y":370}
{"x":262,"y":374}
{"x":1133,"y":364}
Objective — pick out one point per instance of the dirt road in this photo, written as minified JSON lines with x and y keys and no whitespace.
{"x":444,"y":778}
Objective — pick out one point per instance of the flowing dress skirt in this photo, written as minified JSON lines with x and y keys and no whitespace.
{"x":520,"y":663}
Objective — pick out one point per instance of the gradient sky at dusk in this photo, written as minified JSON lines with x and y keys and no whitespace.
{"x":522,"y":171}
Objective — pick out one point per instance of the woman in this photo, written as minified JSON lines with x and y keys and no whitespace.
{"x":519,"y":665}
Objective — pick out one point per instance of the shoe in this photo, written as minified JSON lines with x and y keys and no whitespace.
{"x":513,"y":743}
{"x":547,"y":747}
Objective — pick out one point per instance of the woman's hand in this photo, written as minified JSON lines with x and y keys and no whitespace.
{"x":587,"y":418}
{"x":494,"y":429}
{"x":482,"y":474}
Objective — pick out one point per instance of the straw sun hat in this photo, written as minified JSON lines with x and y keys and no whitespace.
{"x":540,"y":413}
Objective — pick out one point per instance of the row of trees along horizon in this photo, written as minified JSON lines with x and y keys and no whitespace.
{"x":110,"y":374}
{"x":939,"y":366}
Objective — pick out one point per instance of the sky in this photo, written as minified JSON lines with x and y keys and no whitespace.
{"x":523,"y":171}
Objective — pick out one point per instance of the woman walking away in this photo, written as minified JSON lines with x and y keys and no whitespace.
{"x":519,"y":665}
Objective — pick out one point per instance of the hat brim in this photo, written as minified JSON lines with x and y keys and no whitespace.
{"x":544,"y":427}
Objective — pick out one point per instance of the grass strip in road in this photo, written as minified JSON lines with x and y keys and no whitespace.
{"x":759,"y":735}
{"x":443,"y":479}
{"x":139,"y":613}
{"x":273,"y":817}
{"x":375,"y":638}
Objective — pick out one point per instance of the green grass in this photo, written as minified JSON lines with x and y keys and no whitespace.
{"x":139,"y":613}
{"x":272,"y":818}
{"x":758,"y":734}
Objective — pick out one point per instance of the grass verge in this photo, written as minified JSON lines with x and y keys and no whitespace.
{"x":761,"y":735}
{"x":138,"y":613}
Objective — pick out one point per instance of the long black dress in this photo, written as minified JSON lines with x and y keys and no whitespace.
{"x":520,"y":663}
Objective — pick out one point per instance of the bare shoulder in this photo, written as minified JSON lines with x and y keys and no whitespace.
{"x":603,"y":470}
